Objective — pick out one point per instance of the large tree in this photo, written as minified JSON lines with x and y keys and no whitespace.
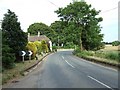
{"x":58,"y":28}
{"x":83,"y":24}
{"x":40,"y":27}
{"x":12,"y":34}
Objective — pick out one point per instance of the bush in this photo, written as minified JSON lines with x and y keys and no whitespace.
{"x":112,"y":55}
{"x":84,"y":53}
{"x":8,"y":57}
{"x":44,"y":46}
{"x":54,"y":48}
{"x":32,"y":47}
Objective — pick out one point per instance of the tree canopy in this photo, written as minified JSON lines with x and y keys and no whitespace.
{"x":13,"y":39}
{"x":40,"y":27}
{"x":116,"y":43}
{"x":12,"y":34}
{"x":82,"y":25}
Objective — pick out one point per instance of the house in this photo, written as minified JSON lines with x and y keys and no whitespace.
{"x":40,"y":38}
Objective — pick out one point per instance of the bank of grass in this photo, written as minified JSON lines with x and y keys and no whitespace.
{"x":17,"y":72}
{"x":110,"y":55}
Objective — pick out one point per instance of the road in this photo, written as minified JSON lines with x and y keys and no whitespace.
{"x":64,"y":70}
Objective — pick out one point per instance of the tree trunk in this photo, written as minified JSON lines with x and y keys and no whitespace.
{"x":81,"y":48}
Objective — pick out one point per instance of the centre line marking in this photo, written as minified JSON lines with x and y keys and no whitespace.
{"x":100,"y":83}
{"x":69,"y":64}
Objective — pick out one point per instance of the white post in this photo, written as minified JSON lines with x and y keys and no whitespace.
{"x":23,"y":59}
{"x":29,"y":58}
{"x":50,"y":45}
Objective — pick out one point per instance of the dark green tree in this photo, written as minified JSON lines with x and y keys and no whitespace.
{"x":58,"y":28}
{"x":42,"y":28}
{"x":83,"y":25}
{"x":115,"y":43}
{"x":12,"y":34}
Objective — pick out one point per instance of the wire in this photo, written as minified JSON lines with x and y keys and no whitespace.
{"x":100,"y":13}
{"x":109,"y":10}
{"x":52,"y":3}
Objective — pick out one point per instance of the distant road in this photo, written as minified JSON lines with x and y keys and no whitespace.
{"x":63,"y":70}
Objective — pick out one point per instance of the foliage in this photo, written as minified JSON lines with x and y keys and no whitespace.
{"x":32,"y":47}
{"x":112,"y":55}
{"x":44,"y":46}
{"x":12,"y":34}
{"x":40,"y":27}
{"x":8,"y":57}
{"x":54,"y":48}
{"x":82,"y":25}
{"x":69,"y":45}
{"x":115,"y":43}
{"x":39,"y":47}
{"x":58,"y":34}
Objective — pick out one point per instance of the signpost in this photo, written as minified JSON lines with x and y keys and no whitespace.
{"x":29,"y":53}
{"x":23,"y":54}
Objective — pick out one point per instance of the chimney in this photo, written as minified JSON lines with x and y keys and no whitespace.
{"x":28,"y":36}
{"x":38,"y":33}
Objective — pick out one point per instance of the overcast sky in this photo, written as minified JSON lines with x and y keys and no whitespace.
{"x":31,"y":11}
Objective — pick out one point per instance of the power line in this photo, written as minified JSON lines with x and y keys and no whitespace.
{"x":53,"y":3}
{"x":109,"y":10}
{"x":100,"y":13}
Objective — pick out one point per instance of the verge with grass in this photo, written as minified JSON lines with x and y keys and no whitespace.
{"x":100,"y":56}
{"x":19,"y":69}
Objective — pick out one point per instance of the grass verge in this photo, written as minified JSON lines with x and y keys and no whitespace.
{"x":19,"y":69}
{"x":104,"y":57}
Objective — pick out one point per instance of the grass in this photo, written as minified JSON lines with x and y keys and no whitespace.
{"x":110,"y":54}
{"x":110,"y":48}
{"x":9,"y":74}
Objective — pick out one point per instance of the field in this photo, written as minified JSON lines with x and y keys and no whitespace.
{"x":111,"y":48}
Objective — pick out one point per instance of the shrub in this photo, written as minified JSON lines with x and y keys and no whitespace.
{"x":8,"y":57}
{"x":54,"y":48}
{"x":112,"y":55}
{"x":39,"y":47}
{"x":44,"y":46}
{"x":32,"y":47}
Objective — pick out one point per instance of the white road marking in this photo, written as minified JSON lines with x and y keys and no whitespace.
{"x":62,"y":57}
{"x":100,"y":83}
{"x":99,"y":65}
{"x":69,"y":64}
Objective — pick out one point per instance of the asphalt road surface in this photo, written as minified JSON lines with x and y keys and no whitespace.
{"x":64,"y":70}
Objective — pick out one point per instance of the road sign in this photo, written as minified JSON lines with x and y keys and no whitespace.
{"x":30,"y":53}
{"x":23,"y":53}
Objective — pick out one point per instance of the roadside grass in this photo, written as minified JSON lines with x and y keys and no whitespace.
{"x":110,"y":54}
{"x":9,"y":74}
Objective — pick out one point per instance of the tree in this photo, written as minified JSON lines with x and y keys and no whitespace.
{"x":82,"y":24}
{"x":8,"y":57}
{"x":12,"y":34}
{"x":115,"y":43}
{"x":58,"y":29}
{"x":42,"y":28}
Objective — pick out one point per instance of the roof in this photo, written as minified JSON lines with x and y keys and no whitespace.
{"x":36,"y":38}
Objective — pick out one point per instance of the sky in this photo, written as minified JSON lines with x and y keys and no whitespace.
{"x":31,"y":11}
